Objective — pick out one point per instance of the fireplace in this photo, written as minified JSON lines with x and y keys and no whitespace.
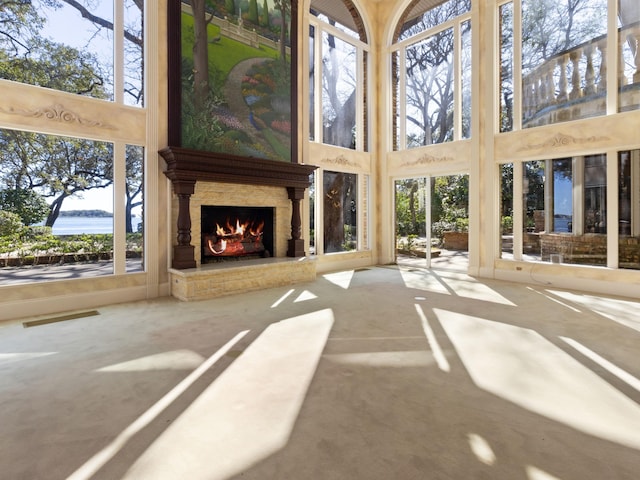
{"x":236,"y":233}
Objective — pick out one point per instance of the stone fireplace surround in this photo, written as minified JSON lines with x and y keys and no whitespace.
{"x":201,"y":178}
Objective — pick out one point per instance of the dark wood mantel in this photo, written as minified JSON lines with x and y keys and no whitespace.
{"x":185,"y":167}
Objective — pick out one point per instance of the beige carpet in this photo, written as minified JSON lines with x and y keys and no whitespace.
{"x":382,"y":373}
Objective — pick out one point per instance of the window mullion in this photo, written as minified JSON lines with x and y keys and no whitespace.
{"x":118,"y":53}
{"x":457,"y":82}
{"x":119,"y":196}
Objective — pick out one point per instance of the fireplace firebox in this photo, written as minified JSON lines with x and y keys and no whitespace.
{"x":236,"y":232}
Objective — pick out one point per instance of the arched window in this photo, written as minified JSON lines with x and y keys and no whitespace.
{"x":337,"y":75}
{"x":431,"y":74}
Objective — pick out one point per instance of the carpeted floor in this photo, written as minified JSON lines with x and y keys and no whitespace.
{"x":394,"y":372}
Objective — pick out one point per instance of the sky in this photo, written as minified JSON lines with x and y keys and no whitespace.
{"x":67,"y":26}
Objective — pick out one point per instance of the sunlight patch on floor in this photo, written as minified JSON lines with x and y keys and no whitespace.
{"x":462,"y":286}
{"x":604,"y":363}
{"x":340,"y":279}
{"x":438,"y":354}
{"x":534,"y":473}
{"x":304,"y":296}
{"x":174,"y":360}
{"x":95,"y":463}
{"x":423,"y":280}
{"x":6,"y":358}
{"x":282,"y":298}
{"x":481,"y":449}
{"x":624,"y":312}
{"x":398,"y":359}
{"x":248,"y":412}
{"x":521,"y":366}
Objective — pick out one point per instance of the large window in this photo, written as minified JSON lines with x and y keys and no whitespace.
{"x":337,"y":81}
{"x":432,"y":75}
{"x":70,"y":205}
{"x":340,"y":212}
{"x":564,"y":210}
{"x":566,"y":51}
{"x":629,"y":209}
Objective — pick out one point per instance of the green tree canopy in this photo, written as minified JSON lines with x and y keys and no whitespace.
{"x":27,"y":204}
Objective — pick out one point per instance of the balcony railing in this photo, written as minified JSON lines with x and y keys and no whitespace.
{"x":573,"y":83}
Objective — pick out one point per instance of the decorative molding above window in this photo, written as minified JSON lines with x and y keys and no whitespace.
{"x":58,"y":113}
{"x":562,"y":140}
{"x":426,"y":160}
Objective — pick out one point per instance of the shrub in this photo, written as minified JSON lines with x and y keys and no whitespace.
{"x":11,"y":225}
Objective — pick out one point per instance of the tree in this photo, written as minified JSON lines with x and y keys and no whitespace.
{"x":284,"y":7}
{"x":252,"y":14}
{"x":19,"y":22}
{"x":429,"y":78}
{"x":339,"y":94}
{"x":201,"y":87}
{"x":410,"y":211}
{"x":27,"y":204}
{"x":56,"y":167}
{"x":41,"y":62}
{"x":134,"y":184}
{"x":230,"y":7}
{"x":264,"y":18}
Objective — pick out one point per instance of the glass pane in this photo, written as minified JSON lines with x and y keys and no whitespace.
{"x":533,"y":224}
{"x":134,"y":208}
{"x":506,"y":210}
{"x":562,"y":196}
{"x":340,"y":211}
{"x":133,"y":53}
{"x":312,"y":83}
{"x":429,"y":90}
{"x":338,"y":92}
{"x":563,"y":67}
{"x":466,"y":79}
{"x":417,"y":20}
{"x":629,"y":71}
{"x":629,"y":209}
{"x":56,"y":207}
{"x":506,"y":67}
{"x":365,"y":114}
{"x":53,"y":46}
{"x":411,"y":226}
{"x":450,"y":211}
{"x":595,"y":194}
{"x":339,"y":10}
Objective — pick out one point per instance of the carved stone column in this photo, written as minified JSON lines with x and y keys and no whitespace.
{"x":296,"y":243}
{"x":184,"y":252}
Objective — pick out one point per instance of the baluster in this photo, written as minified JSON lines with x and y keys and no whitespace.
{"x":589,"y":75}
{"x":636,"y":39}
{"x":542,"y":93}
{"x":622,"y":78}
{"x":551,"y":87}
{"x":602,"y":83}
{"x":563,"y":82}
{"x":575,"y":75}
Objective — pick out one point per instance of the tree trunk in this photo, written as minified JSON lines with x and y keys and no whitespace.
{"x":200,"y":54}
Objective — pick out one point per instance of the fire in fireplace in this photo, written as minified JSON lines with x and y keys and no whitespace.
{"x":233,"y":232}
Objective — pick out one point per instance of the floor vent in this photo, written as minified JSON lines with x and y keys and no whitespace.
{"x":61,"y":318}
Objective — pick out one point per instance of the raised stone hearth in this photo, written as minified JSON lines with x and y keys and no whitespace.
{"x":220,"y":279}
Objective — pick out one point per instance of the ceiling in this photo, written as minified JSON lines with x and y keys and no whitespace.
{"x":337,"y":10}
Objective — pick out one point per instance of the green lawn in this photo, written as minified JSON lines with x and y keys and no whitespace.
{"x":224,"y":54}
